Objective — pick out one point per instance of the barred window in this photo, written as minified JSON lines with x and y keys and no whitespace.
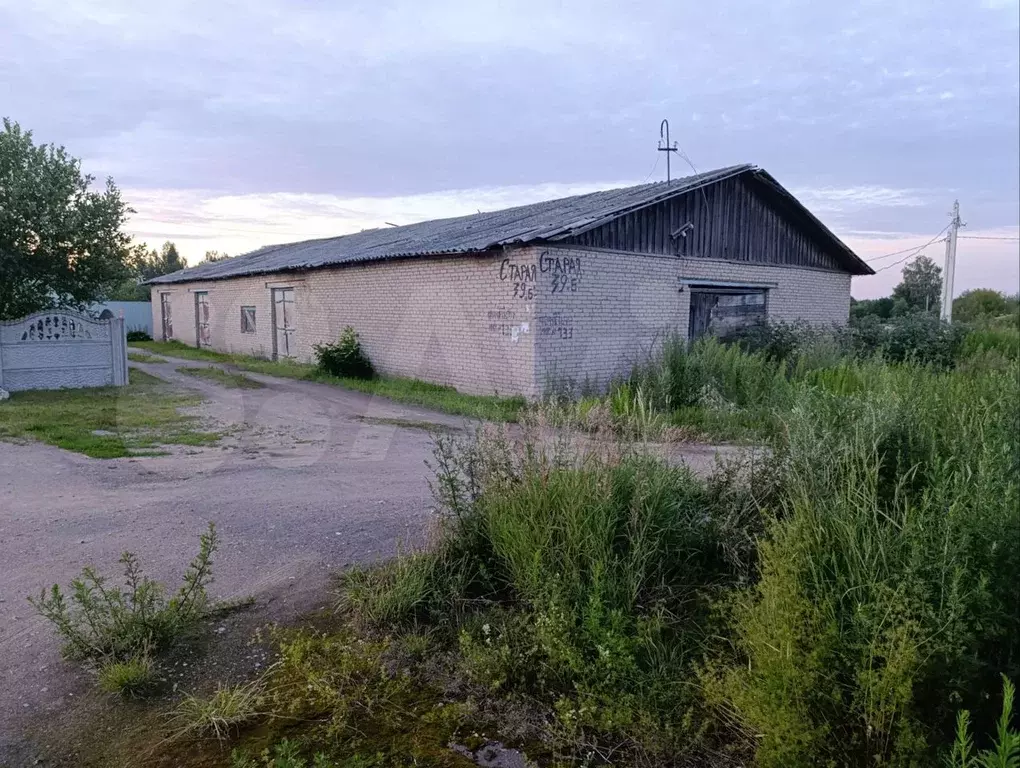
{"x":247,"y":319}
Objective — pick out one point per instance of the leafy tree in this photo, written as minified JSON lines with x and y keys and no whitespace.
{"x":149,"y":264}
{"x":979,"y":304}
{"x":920,"y":289}
{"x":211,"y":256}
{"x":61,"y":243}
{"x":146,"y":264}
{"x":130,"y":290}
{"x":882,"y":308}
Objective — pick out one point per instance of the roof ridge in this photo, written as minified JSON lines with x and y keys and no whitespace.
{"x":543,"y":220}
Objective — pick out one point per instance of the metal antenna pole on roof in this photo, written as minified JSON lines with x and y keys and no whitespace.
{"x":666,"y":147}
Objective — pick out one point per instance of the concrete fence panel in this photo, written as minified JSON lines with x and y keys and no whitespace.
{"x":61,"y":348}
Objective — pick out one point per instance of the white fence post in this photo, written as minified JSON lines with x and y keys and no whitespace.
{"x":118,"y":351}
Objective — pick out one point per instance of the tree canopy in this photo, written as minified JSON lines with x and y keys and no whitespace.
{"x":149,"y":264}
{"x":921,"y":287}
{"x":144,"y":264}
{"x":982,"y":304}
{"x":61,"y":243}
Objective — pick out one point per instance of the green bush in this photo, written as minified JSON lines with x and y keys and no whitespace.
{"x":887,"y":586}
{"x":588,"y":588}
{"x":345,"y":358}
{"x":917,"y":337}
{"x":776,"y":340}
{"x":138,"y":336}
{"x":104,"y":623}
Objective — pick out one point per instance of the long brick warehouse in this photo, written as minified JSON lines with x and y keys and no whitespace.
{"x":561,"y":294}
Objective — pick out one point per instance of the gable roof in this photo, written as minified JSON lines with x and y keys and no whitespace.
{"x":548,"y":221}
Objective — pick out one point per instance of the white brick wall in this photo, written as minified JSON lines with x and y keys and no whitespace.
{"x":450,"y":320}
{"x":516,"y":322}
{"x":610,"y":309}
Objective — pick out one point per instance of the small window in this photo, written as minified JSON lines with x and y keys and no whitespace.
{"x":247,"y":319}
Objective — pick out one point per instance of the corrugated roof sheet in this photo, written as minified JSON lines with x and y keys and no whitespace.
{"x":546,"y":221}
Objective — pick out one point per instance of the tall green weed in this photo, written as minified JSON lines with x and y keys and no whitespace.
{"x":887,"y":591}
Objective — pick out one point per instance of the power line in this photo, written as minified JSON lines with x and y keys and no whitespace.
{"x":652,"y":171}
{"x":986,"y":237}
{"x":896,"y":263}
{"x":912,"y":250}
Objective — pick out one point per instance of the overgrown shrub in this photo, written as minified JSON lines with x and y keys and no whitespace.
{"x":582,"y":583}
{"x":345,"y":358}
{"x":917,"y":337}
{"x":776,"y":340}
{"x":100,"y":622}
{"x":879,"y":598}
{"x":887,"y":589}
{"x":1001,"y":341}
{"x":138,"y":336}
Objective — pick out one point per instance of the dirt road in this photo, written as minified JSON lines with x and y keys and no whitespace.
{"x":307,"y":479}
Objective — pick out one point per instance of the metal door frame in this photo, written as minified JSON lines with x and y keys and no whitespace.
{"x":165,"y":303}
{"x":199,"y":295}
{"x":288,"y":330}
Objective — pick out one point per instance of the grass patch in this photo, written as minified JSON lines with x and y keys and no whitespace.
{"x":142,"y":357}
{"x":398,"y":389}
{"x":177,"y":349}
{"x":107,"y":422}
{"x":228,"y":708}
{"x":427,"y":426}
{"x":223,"y":378}
{"x":132,"y":677}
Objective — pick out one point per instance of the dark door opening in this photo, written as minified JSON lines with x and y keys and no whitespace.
{"x":721,"y":311}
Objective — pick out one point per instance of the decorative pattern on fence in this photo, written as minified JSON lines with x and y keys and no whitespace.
{"x":60,"y":348}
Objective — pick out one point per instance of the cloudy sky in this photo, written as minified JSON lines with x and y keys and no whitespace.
{"x":232,"y":125}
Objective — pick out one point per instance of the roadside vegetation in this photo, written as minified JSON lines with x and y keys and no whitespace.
{"x":843,"y":595}
{"x":108,"y":422}
{"x":401,"y":390}
{"x":119,"y":633}
{"x":142,"y":357}
{"x":219,"y":376}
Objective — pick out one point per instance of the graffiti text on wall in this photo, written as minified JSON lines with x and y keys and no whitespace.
{"x":501,"y":321}
{"x":565,"y":271}
{"x":556,"y":325}
{"x":521,"y":275}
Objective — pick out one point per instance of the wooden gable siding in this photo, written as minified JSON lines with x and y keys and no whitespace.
{"x":731,"y":221}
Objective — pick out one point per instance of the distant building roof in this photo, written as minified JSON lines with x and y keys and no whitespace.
{"x":548,"y":221}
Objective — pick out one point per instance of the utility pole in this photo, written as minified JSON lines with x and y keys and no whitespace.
{"x":666,"y":147}
{"x":949,"y":272}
